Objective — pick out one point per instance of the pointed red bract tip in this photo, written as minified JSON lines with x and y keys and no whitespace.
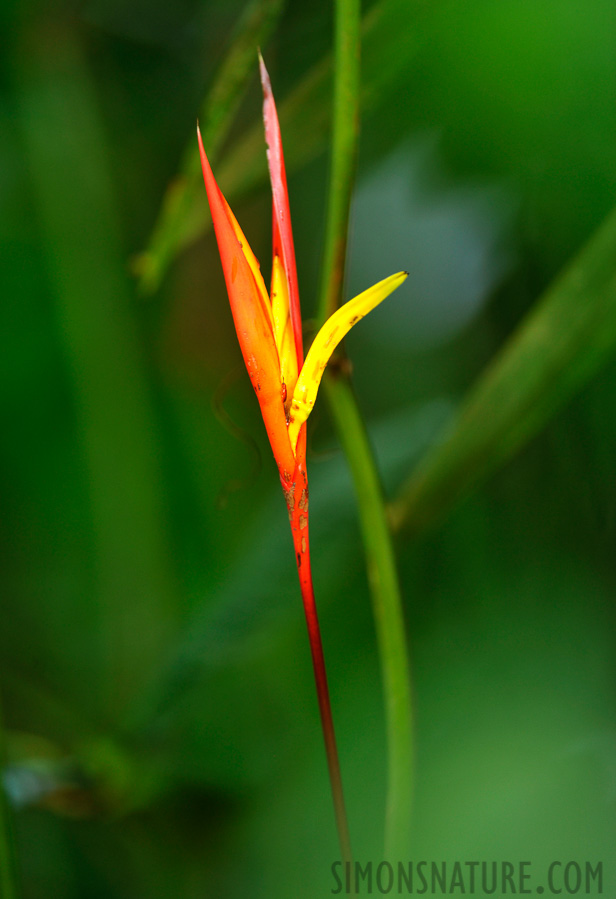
{"x":282,"y":212}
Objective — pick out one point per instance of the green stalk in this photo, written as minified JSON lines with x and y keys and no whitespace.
{"x":380,"y":559}
{"x":344,"y":153}
{"x":387,"y":609}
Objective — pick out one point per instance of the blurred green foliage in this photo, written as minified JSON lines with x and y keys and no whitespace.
{"x":162,"y":733}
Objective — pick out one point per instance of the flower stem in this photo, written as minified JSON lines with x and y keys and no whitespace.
{"x":387,"y":608}
{"x":327,"y":723}
{"x":296,"y":494}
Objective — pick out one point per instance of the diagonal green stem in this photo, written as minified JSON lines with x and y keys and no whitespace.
{"x":563,"y":341}
{"x":383,"y":576}
{"x":219,"y":108}
{"x":305,"y":117}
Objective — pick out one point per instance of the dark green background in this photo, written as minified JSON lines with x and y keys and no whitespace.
{"x":161,"y":725}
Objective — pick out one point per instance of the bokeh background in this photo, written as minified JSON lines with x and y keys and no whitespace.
{"x":160,"y":725}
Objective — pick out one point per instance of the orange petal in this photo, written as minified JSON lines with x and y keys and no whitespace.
{"x":252,"y":317}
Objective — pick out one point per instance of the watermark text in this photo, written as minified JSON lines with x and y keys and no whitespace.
{"x":467,"y":878}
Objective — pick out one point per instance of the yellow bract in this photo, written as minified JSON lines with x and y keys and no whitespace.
{"x":324,"y":344}
{"x":283,"y":329}
{"x":300,"y":390}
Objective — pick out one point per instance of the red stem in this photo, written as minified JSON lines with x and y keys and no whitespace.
{"x":296,"y":495}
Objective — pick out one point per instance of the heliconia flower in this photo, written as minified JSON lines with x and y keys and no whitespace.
{"x":269,"y":330}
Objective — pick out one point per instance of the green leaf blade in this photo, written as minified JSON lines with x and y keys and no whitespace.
{"x":560,"y":345}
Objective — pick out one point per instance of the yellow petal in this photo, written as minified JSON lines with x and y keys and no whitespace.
{"x":283,"y":329}
{"x":324,"y":344}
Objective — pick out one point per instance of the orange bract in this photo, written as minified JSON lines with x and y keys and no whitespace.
{"x":253,"y":318}
{"x":270,"y":330}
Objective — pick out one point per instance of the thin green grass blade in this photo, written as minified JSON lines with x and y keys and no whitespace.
{"x":557,"y":349}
